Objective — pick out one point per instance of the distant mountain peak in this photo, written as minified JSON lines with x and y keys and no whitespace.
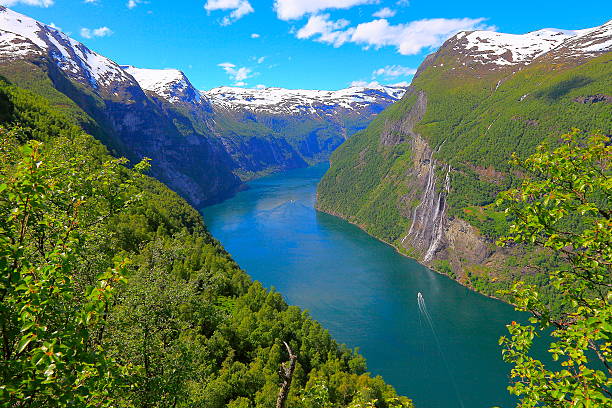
{"x":173,"y":86}
{"x":276,"y":100}
{"x":170,"y":84}
{"x":502,"y":49}
{"x":22,"y":36}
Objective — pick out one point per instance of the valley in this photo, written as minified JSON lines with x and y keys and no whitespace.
{"x":204,"y":143}
{"x":380,"y":245}
{"x":365,"y":293}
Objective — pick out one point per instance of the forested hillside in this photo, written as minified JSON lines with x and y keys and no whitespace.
{"x":425,"y":174}
{"x":114,"y":293}
{"x":204,"y":144}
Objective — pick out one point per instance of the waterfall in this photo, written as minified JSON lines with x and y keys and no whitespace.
{"x":439,"y":219}
{"x":426,"y":231}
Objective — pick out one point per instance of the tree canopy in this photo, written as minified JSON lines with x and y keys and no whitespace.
{"x":564,"y":205}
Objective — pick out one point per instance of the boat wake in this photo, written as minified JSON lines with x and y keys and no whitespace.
{"x":425,"y":313}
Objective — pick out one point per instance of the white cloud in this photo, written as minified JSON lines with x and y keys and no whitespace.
{"x":325,"y":30}
{"x":393,"y":71}
{"x":385,"y":12}
{"x":374,"y":84}
{"x":240,"y":8}
{"x":409,"y":39}
{"x":90,"y":1}
{"x":365,"y":84}
{"x":260,"y":60}
{"x":52,"y":25}
{"x":387,"y":74}
{"x":413,"y":37}
{"x":255,"y":35}
{"x":295,"y":9}
{"x":401,"y":83}
{"x":38,"y":3}
{"x":237,"y":74}
{"x":131,"y":4}
{"x":96,"y":32}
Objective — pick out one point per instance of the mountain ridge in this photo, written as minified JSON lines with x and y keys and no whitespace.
{"x":201,"y":150}
{"x":425,"y":173}
{"x":522,"y":49}
{"x":172,"y":84}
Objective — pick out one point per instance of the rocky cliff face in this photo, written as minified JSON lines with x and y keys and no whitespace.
{"x":423,"y":176}
{"x":129,"y":122}
{"x":270,"y":129}
{"x":202,"y":144}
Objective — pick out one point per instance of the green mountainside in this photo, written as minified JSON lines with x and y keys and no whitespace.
{"x":204,"y":144}
{"x":188,"y":327}
{"x":262,"y":142}
{"x":425,"y":174}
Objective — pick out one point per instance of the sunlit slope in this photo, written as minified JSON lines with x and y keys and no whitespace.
{"x":422,"y":176}
{"x":189,"y":326}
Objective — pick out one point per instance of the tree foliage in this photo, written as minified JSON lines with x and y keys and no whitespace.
{"x":50,"y":352}
{"x":115,"y":294}
{"x":564,"y":205}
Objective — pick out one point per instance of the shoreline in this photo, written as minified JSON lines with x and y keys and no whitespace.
{"x":317,"y":208}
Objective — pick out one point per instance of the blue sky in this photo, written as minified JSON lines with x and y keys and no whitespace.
{"x":311,"y":44}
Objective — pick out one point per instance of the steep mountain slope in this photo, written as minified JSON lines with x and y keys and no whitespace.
{"x":202,"y":144}
{"x":424,"y":173}
{"x":87,"y":84}
{"x":189,"y":328}
{"x":272,"y":128}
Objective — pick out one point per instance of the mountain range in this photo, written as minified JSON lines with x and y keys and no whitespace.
{"x":425,"y":174}
{"x":203,"y":144}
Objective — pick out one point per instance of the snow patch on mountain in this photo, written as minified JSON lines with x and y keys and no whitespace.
{"x":170,"y":84}
{"x":300,"y":101}
{"x":489,"y":47}
{"x":22,"y":36}
{"x":588,"y":42}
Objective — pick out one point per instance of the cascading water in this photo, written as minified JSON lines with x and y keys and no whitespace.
{"x":423,"y":312}
{"x":426,"y":232}
{"x":439,"y":220}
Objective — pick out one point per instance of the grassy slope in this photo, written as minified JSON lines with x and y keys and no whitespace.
{"x":476,"y":128}
{"x":214,"y":338}
{"x":483,"y":126}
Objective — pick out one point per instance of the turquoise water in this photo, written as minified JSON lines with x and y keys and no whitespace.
{"x":365,"y":293}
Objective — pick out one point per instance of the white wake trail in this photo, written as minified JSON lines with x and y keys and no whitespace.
{"x":424,"y":312}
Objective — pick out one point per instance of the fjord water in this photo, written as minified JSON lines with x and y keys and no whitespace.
{"x":365,"y":293}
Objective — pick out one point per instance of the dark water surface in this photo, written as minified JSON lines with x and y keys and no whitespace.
{"x":365,"y":293}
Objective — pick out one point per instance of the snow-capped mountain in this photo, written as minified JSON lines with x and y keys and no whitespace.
{"x":300,"y":101}
{"x":200,"y":143}
{"x":173,"y":86}
{"x":22,"y":37}
{"x":500,"y":49}
{"x":269,"y":128}
{"x":169,"y":84}
{"x":109,"y":103}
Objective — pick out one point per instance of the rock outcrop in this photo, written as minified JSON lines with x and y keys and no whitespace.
{"x":424,"y":175}
{"x":203,"y":144}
